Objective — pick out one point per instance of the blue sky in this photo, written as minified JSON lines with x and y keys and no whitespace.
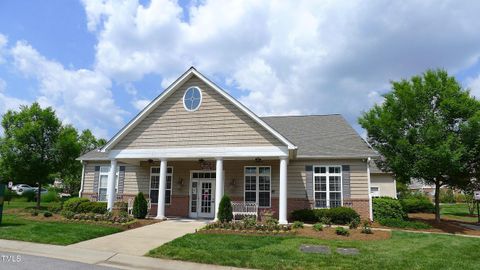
{"x":99,"y":62}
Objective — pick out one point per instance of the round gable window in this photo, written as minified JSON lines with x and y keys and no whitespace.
{"x":192,"y":99}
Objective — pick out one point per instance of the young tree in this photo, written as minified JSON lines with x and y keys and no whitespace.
{"x":68,"y":149}
{"x":28,"y":148}
{"x":418,"y":129}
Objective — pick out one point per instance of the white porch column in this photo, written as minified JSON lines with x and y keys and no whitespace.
{"x":111,"y":184}
{"x":161,"y":190}
{"x":218,"y":185}
{"x":282,"y":209}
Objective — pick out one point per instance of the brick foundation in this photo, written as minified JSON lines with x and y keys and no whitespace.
{"x":179,"y":206}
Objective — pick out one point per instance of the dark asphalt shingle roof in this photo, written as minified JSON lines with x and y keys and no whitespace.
{"x":94,"y":155}
{"x":321,"y":135}
{"x":314,"y":135}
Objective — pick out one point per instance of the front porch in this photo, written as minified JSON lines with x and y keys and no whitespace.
{"x":193,"y":187}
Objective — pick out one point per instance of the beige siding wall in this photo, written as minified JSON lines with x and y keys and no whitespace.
{"x":137,"y":177}
{"x":385,"y":183}
{"x":216,"y":123}
{"x":297,"y":177}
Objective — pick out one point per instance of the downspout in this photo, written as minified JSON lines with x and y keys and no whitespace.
{"x":83,"y":177}
{"x":370,"y":206}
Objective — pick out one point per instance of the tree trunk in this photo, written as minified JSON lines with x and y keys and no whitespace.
{"x":39,"y":192}
{"x":437,"y":201}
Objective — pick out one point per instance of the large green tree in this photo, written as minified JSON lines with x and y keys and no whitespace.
{"x":28,"y":149}
{"x":70,"y":146}
{"x":421,"y":129}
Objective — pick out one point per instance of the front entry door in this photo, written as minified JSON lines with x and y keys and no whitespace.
{"x":202,"y":195}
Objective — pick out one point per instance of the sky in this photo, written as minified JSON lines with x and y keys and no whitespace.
{"x":98,"y":63}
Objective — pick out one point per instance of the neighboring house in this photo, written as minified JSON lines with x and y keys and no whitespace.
{"x":194,"y":143}
{"x":418,"y":185}
{"x":382,"y":183}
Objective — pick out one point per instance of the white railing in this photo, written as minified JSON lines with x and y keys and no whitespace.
{"x":244,"y":209}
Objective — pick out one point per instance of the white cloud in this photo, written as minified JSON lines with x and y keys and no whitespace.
{"x":3,"y":45}
{"x":474,"y":85}
{"x":81,"y":97}
{"x":140,"y":104}
{"x":287,"y":56}
{"x":8,"y":102}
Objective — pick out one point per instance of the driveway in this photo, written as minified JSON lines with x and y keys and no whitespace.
{"x":139,"y":241}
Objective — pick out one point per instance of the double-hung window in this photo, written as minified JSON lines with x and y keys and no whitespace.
{"x":103,"y":183}
{"x":258,"y":185}
{"x":327,"y":186}
{"x":155,"y":182}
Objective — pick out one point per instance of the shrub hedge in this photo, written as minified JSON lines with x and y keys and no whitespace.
{"x":72,"y":204}
{"x":84,"y":205}
{"x":338,"y":215}
{"x":400,"y":223}
{"x":386,"y":207}
{"x":417,"y":205}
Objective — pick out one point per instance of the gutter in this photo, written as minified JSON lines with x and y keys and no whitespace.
{"x":83,"y":178}
{"x":370,"y":205}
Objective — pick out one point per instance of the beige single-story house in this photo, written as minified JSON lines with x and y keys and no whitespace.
{"x":383,"y":184}
{"x":195,"y":142}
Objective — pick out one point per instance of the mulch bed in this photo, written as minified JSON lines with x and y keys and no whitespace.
{"x":445,"y":226}
{"x":328,"y":233}
{"x":59,"y":218}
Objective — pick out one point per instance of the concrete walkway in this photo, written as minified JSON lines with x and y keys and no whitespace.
{"x":139,"y":241}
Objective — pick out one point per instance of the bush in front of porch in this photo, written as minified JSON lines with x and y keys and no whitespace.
{"x":337,"y":215}
{"x":225,"y":211}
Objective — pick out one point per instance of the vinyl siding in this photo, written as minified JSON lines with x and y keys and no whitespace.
{"x":216,"y":123}
{"x":297,"y":177}
{"x":137,"y":177}
{"x":385,"y":183}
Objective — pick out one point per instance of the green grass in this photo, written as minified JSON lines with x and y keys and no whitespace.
{"x":14,"y":227}
{"x":21,"y":203}
{"x":457,"y":211}
{"x":402,"y":251}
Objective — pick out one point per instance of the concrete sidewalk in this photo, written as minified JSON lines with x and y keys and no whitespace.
{"x":139,"y":241}
{"x":101,"y":258}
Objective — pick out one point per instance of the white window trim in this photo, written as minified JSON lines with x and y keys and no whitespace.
{"x":117,"y":174}
{"x":327,"y":174}
{"x":199,"y":104}
{"x":158,"y":174}
{"x":257,"y":184}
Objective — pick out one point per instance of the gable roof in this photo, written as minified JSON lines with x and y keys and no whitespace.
{"x":321,"y":136}
{"x":174,"y":86}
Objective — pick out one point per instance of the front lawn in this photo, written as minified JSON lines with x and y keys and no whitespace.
{"x":402,"y":251}
{"x":17,"y":227}
{"x":458,"y":211}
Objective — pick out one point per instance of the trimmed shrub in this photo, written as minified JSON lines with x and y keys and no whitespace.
{"x":417,"y":205}
{"x":47,"y":214}
{"x":91,"y":207}
{"x":342,"y":215}
{"x":305,"y":215}
{"x":73,"y":203}
{"x":342,"y":231}
{"x":225,"y":209}
{"x":386,"y":207}
{"x":400,"y":223}
{"x":338,"y":215}
{"x":297,"y":225}
{"x":318,"y":227}
{"x":29,"y":195}
{"x":140,"y":206}
{"x":67,"y":214}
